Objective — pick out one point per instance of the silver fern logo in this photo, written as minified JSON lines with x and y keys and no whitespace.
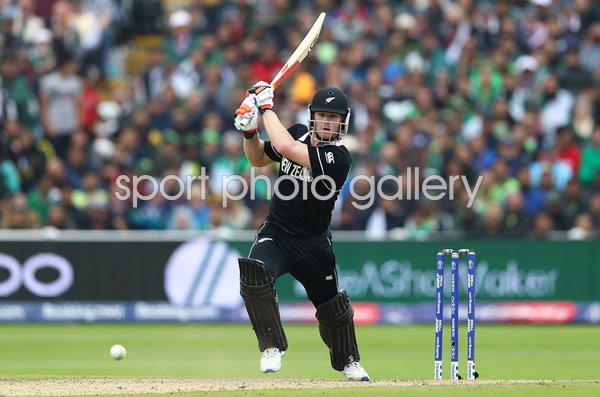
{"x":203,"y":272}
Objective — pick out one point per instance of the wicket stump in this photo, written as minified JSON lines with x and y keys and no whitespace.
{"x":454,"y":323}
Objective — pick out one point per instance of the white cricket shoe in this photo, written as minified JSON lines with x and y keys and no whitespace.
{"x":355,"y":371}
{"x":270,"y":360}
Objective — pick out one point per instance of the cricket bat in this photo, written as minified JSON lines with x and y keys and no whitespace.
{"x":300,"y":53}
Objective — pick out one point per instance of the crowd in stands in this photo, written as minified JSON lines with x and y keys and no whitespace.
{"x":507,"y":90}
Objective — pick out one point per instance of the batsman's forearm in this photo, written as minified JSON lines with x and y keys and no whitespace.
{"x":278,"y":134}
{"x":254,"y":150}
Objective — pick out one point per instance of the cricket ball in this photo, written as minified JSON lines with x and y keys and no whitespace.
{"x":118,"y":352}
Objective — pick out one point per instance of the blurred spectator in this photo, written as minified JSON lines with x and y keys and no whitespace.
{"x":10,"y":181}
{"x":17,"y":102}
{"x":41,"y":54}
{"x":572,"y":75}
{"x":107,"y":26}
{"x":169,"y":154}
{"x":516,"y":221}
{"x":155,"y":75}
{"x":567,"y":150}
{"x":186,"y":77}
{"x":559,"y":171}
{"x":233,"y":162}
{"x":90,"y":98}
{"x":583,"y":119}
{"x":91,"y":195}
{"x":151,"y":214}
{"x":582,"y":228}
{"x":99,"y":217}
{"x":266,"y":66}
{"x":26,"y":25}
{"x":574,"y":202}
{"x":18,"y":216}
{"x":388,"y":215}
{"x":590,"y":161}
{"x":42,"y":197}
{"x":60,"y":95}
{"x":181,"y":41}
{"x":218,"y":214}
{"x":589,"y":53}
{"x":556,"y":105}
{"x":57,"y":218}
{"x":66,"y":39}
{"x":542,"y":225}
{"x":194,"y":214}
{"x":503,"y":184}
{"x":76,"y":165}
{"x":534,"y":197}
{"x":8,"y":12}
{"x":348,"y":219}
{"x":595,"y":210}
{"x":237,"y":216}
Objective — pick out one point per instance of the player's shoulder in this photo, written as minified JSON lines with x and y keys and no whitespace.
{"x":339,"y":151}
{"x":297,"y":130}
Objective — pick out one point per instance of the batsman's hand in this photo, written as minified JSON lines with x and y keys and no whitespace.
{"x":246,"y":116}
{"x":263,"y":95}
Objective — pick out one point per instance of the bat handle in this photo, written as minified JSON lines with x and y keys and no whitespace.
{"x":273,"y":85}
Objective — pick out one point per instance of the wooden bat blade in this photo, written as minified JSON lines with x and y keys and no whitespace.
{"x":301,"y":51}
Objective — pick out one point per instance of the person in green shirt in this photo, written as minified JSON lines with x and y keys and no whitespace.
{"x":181,"y":41}
{"x":17,"y":95}
{"x":10,"y":182}
{"x":590,"y":159}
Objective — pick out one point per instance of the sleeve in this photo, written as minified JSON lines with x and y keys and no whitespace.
{"x":295,"y":131}
{"x":271,"y":152}
{"x":332,"y":161}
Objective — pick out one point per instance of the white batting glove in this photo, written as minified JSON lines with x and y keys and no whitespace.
{"x":246,"y":117}
{"x":263,"y":95}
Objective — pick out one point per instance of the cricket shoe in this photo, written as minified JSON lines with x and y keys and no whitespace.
{"x":355,"y":371}
{"x":270,"y":360}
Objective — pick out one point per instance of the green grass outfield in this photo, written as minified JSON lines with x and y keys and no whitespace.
{"x":513,"y":360}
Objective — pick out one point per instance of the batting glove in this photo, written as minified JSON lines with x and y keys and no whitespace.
{"x":263,"y":95}
{"x":246,"y":118}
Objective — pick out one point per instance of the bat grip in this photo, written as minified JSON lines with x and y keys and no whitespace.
{"x":255,"y":88}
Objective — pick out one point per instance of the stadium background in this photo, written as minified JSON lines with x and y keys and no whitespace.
{"x":91,"y":90}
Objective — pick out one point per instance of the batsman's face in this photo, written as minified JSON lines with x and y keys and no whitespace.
{"x":327,"y":123}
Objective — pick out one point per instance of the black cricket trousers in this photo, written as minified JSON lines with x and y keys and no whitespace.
{"x":309,"y":259}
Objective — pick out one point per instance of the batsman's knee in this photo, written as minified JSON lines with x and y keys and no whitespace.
{"x":255,"y":277}
{"x":335,"y":312}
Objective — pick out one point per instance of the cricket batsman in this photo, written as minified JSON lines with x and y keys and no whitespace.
{"x":295,"y":237}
